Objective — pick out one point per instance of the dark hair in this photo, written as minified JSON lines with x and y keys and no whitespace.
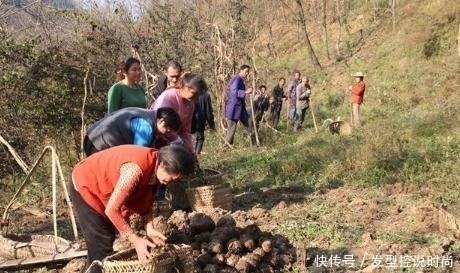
{"x":195,"y":81}
{"x":262,"y":86}
{"x":172,"y":63}
{"x":124,"y":67}
{"x":244,"y":66}
{"x":177,"y":159}
{"x":297,"y":72}
{"x":282,"y":78}
{"x":171,"y":117}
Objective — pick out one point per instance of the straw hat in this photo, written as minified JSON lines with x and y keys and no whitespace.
{"x":359,"y":74}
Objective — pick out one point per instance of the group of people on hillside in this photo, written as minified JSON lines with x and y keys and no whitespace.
{"x":136,"y":150}
{"x":297,"y":96}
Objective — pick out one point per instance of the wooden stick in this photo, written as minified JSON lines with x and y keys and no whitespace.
{"x":254,"y":119}
{"x":351,"y":114}
{"x":254,"y":84}
{"x":136,"y":54}
{"x":271,"y":127}
{"x":16,"y":157}
{"x":67,"y":198}
{"x":226,"y":142}
{"x":37,"y":261}
{"x":287,"y":115}
{"x":313,"y":115}
{"x":82,"y":116}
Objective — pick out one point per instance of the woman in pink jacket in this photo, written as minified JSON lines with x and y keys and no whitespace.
{"x":182,"y":100}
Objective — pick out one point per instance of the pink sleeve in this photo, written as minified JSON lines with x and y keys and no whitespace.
{"x":164,"y":100}
{"x":187,"y":137}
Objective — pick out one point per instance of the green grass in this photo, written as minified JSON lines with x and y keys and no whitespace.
{"x":408,"y":238}
{"x":339,"y":235}
{"x":410,"y":116}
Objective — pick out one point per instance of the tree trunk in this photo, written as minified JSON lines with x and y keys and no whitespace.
{"x":393,"y":13}
{"x":271,"y":44}
{"x":458,"y":40}
{"x":339,"y":32}
{"x":324,"y":23}
{"x":374,"y":5}
{"x":303,"y":23}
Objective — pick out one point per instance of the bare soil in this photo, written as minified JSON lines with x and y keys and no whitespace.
{"x":391,"y":220}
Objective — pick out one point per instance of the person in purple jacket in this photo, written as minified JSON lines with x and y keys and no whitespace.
{"x":236,"y":106}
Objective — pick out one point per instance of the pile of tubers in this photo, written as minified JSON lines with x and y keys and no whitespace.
{"x":219,"y":245}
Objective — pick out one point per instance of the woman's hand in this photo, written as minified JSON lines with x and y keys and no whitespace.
{"x":249,"y":90}
{"x":142,"y":245}
{"x":157,"y":237}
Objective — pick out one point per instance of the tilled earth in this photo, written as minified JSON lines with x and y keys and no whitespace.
{"x":347,"y":229}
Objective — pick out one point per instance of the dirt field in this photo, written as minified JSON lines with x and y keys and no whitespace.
{"x":356,"y":227}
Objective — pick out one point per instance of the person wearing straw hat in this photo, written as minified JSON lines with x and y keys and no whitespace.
{"x":357,"y":97}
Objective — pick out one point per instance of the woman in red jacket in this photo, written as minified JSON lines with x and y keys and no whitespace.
{"x":113,"y":184}
{"x":357,"y":96}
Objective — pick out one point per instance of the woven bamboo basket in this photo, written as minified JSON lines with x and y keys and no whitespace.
{"x":177,"y":191}
{"x":177,"y":197}
{"x":176,"y":259}
{"x":340,"y":127}
{"x":24,"y":246}
{"x":213,"y":196}
{"x":210,"y":177}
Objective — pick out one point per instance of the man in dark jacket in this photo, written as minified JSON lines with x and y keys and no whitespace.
{"x":261,"y":103}
{"x":172,"y":71}
{"x":276,"y":102}
{"x":203,"y":114}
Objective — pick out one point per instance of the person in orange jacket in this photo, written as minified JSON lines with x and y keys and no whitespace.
{"x":357,"y":95}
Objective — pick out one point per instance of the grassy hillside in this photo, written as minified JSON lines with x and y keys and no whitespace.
{"x":411,"y":114}
{"x":378,"y":190}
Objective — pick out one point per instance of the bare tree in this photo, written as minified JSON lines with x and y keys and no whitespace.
{"x":303,"y":25}
{"x":393,"y":13}
{"x":341,"y":10}
{"x":458,"y":40}
{"x":324,"y":24}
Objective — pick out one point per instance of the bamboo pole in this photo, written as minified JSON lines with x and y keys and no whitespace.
{"x":82,"y":116}
{"x":254,"y":85}
{"x":287,"y":115}
{"x":254,"y":118}
{"x":313,"y":116}
{"x":16,"y":157}
{"x":351,"y":114}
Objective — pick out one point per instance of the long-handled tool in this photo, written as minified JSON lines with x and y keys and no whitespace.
{"x":254,"y":125}
{"x":313,"y":115}
{"x":351,"y":114}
